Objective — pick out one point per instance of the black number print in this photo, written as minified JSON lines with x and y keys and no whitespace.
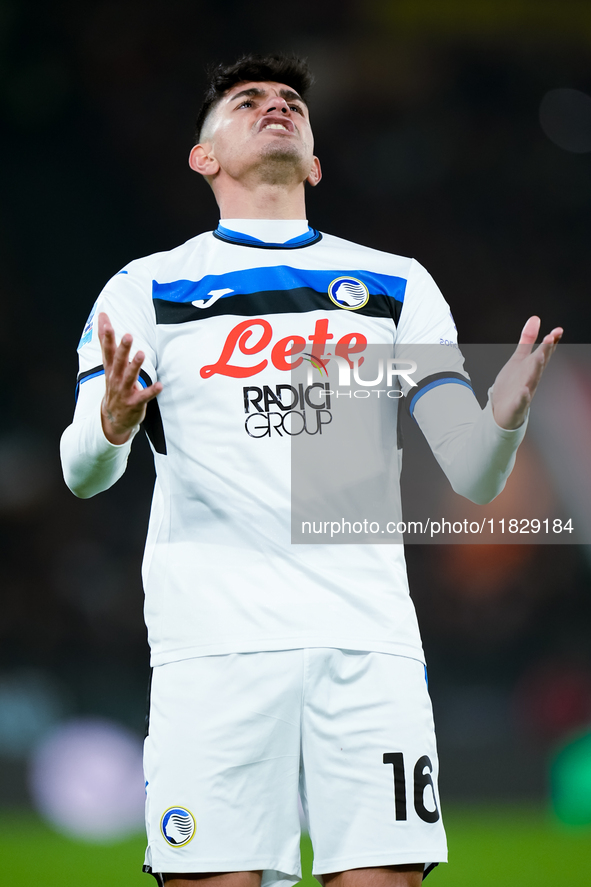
{"x":397,"y":759}
{"x":422,"y":779}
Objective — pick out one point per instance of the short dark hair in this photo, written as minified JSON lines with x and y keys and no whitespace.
{"x":278,"y":68}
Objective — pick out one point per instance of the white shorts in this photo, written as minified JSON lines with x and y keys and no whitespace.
{"x":233,"y":738}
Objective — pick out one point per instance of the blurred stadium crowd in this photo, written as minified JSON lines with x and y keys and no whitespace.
{"x":442,"y":136}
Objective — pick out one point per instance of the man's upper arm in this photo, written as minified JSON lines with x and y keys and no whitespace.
{"x":427,"y":338}
{"x":90,"y":462}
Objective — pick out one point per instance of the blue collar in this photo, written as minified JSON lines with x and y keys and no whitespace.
{"x":236,"y":237}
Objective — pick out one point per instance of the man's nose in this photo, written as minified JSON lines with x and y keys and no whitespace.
{"x":278,"y":103}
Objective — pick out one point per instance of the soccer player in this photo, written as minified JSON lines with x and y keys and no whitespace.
{"x":276,"y":668}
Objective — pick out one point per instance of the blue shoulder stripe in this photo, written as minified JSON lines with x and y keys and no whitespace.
{"x":273,"y":279}
{"x":442,"y":379}
{"x":143,"y":378}
{"x":85,"y":376}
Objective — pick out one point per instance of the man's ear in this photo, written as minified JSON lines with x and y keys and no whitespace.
{"x":315,"y":173}
{"x":202,"y":161}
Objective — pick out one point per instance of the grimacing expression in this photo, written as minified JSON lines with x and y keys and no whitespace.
{"x":261,"y":126}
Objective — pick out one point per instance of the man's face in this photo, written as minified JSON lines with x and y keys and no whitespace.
{"x":261,"y":129}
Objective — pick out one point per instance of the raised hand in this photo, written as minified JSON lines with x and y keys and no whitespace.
{"x":516,"y":383}
{"x":124,"y":404}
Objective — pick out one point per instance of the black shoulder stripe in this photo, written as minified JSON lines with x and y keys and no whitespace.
{"x":93,"y":372}
{"x":294,"y":301}
{"x":436,"y":377}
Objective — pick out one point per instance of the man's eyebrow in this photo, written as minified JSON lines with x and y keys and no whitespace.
{"x":254,"y":92}
{"x":289,"y":95}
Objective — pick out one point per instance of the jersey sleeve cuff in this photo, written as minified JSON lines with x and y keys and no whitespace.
{"x":90,"y":462}
{"x":515,"y":434}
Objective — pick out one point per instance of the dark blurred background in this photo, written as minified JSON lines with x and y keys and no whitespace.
{"x":455,"y":132}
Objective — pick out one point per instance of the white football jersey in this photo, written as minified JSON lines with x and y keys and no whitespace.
{"x":222,"y":321}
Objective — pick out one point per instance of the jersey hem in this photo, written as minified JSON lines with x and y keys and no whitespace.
{"x":263,"y":645}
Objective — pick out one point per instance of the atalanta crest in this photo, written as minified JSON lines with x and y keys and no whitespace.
{"x":177,"y":826}
{"x":348,"y":293}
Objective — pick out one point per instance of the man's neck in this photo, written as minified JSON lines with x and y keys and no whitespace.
{"x":263,"y":202}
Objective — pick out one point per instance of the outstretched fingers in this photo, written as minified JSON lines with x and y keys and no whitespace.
{"x":115,"y":357}
{"x":126,"y":374}
{"x":538,"y":359}
{"x":106,"y":335}
{"x":528,"y":337}
{"x":119,"y":368}
{"x":144,"y":395}
{"x":545,"y":350}
{"x":124,"y":404}
{"x":120,"y":364}
{"x":129,"y":370}
{"x":550,"y":342}
{"x":518,"y":380}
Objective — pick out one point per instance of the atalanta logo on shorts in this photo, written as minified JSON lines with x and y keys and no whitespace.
{"x":177,"y":826}
{"x":348,"y":293}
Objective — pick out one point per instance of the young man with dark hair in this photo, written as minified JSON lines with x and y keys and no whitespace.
{"x":278,"y":69}
{"x":277,"y":668}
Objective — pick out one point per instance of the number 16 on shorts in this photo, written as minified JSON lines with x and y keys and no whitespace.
{"x":422,"y":782}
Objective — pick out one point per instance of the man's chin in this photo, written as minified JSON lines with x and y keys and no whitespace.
{"x":281,"y":164}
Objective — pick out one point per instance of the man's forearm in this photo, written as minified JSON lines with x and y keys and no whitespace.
{"x":90,"y":462}
{"x":476,"y":454}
